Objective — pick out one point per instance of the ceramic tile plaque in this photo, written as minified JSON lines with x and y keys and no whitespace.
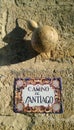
{"x":38,"y":95}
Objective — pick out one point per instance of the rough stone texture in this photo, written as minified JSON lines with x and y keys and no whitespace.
{"x":18,"y":59}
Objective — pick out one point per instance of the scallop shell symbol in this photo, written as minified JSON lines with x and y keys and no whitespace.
{"x":44,"y":38}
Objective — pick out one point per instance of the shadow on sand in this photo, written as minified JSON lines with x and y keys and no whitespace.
{"x":18,"y":49}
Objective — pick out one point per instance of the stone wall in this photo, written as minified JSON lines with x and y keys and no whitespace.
{"x":18,"y":59}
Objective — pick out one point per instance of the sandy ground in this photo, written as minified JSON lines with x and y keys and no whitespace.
{"x":17,"y":59}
